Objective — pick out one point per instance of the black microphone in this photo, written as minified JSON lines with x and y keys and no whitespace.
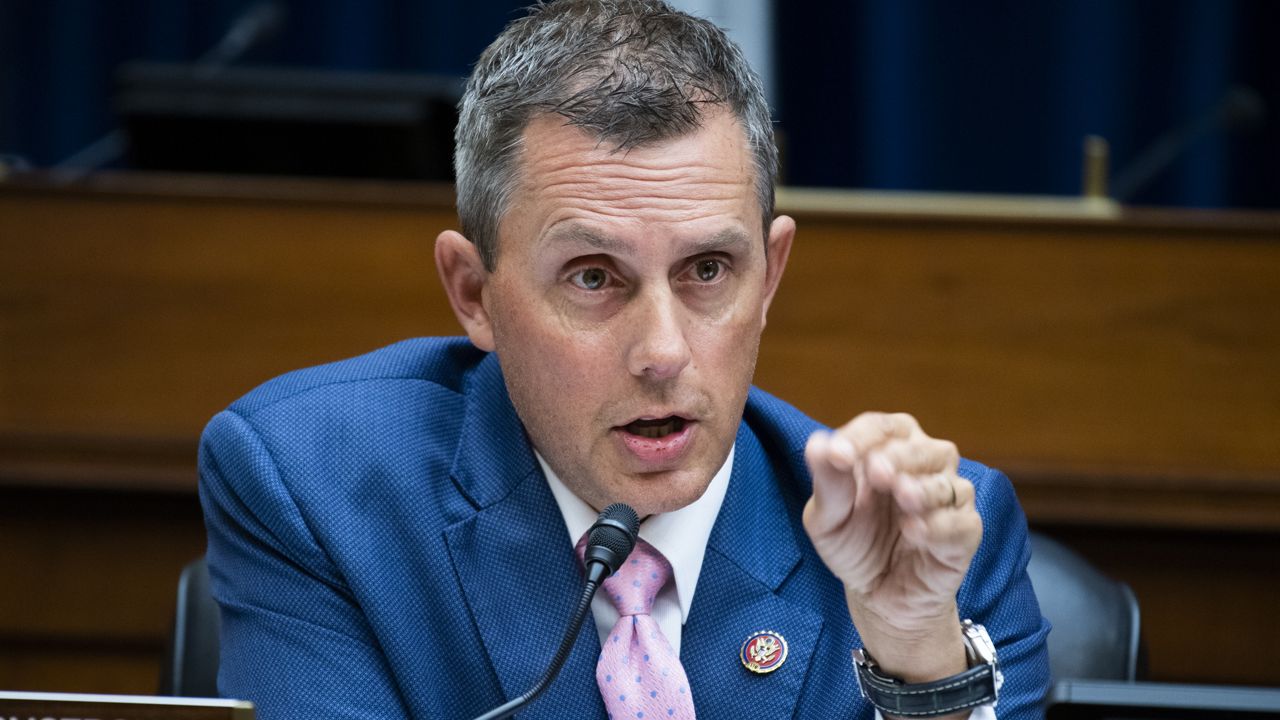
{"x":609,"y":541}
{"x":1240,"y":108}
{"x":252,"y":27}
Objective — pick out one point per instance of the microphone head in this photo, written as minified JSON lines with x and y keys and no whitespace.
{"x":612,"y":537}
{"x":1243,"y":109}
{"x":262,"y":19}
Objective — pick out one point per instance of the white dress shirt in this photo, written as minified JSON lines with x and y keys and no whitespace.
{"x":681,"y":536}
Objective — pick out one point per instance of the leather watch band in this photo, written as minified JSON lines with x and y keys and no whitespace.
{"x":979,"y":685}
{"x":969,"y":689}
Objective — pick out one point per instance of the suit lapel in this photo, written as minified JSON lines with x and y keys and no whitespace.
{"x":520,"y":579}
{"x":513,"y":558}
{"x":751,"y":552}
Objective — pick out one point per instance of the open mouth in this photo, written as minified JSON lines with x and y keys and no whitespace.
{"x":657,"y":428}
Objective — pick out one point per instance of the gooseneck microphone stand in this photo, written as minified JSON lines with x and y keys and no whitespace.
{"x":609,"y":542}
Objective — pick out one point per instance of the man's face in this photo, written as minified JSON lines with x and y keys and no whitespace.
{"x":627,"y":304}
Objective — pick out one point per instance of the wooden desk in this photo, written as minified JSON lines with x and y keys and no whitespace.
{"x":1120,"y":366}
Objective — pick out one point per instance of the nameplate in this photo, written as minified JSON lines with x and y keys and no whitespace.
{"x":72,"y":706}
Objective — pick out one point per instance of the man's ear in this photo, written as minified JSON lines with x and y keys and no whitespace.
{"x":464,"y":276}
{"x":778,"y":248}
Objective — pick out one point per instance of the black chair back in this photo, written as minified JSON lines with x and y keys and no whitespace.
{"x":191,"y":668}
{"x":1096,"y":621}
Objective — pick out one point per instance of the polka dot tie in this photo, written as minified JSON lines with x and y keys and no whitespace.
{"x":639,"y":674}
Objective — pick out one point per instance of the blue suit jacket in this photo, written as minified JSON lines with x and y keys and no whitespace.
{"x":383,"y":545}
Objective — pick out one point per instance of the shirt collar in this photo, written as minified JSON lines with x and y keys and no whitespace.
{"x":680,"y":535}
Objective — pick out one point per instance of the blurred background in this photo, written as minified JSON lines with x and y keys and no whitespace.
{"x":992,"y":96}
{"x":198,"y":195}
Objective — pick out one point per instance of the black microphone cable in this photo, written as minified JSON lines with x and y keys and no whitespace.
{"x":252,"y":27}
{"x":609,"y":542}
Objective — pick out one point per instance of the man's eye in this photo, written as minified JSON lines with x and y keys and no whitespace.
{"x":590,"y":279}
{"x":707,"y":270}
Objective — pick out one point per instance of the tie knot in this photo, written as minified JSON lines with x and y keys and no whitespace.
{"x":634,"y":586}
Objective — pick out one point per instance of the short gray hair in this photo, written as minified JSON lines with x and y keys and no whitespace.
{"x":633,"y":72}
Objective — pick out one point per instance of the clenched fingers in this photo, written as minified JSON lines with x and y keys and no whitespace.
{"x":838,"y":461}
{"x":951,"y":533}
{"x":871,"y":430}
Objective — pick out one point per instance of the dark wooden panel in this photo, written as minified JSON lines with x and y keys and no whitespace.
{"x":49,"y":667}
{"x":1100,"y":360}
{"x":1122,"y":372}
{"x":1056,"y":347}
{"x":89,"y":582}
{"x":140,"y":316}
{"x":1120,"y":368}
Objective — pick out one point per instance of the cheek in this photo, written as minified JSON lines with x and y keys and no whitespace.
{"x":541,"y":353}
{"x":731,"y":331}
{"x":729,"y":348}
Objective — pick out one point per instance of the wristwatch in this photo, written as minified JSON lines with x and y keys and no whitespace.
{"x":979,"y":685}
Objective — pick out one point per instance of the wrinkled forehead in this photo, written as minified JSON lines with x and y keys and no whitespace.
{"x":551,"y":141}
{"x":715,"y":152}
{"x":578,"y":191}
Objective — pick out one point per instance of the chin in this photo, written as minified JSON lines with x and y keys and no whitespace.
{"x":664,"y":495}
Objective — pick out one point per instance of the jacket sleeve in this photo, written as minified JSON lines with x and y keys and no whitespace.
{"x":997,"y":593}
{"x":294,"y":641}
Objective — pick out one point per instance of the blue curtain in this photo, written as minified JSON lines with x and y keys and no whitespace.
{"x":57,"y":56}
{"x":976,"y":96}
{"x":997,"y":95}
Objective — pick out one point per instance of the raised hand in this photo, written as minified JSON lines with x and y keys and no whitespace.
{"x":894,"y":521}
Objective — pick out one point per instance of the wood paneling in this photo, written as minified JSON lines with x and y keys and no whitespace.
{"x":1144,"y":350}
{"x":139,"y":316}
{"x":1119,"y":365}
{"x":1121,"y":371}
{"x":87,"y":585}
{"x":1121,"y":368}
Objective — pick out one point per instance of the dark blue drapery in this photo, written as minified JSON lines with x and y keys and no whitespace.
{"x":991,"y":95}
{"x":996,"y":96}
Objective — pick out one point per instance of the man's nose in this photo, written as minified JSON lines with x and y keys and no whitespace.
{"x":659,"y":349}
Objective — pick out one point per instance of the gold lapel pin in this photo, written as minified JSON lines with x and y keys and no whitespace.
{"x":763,"y":652}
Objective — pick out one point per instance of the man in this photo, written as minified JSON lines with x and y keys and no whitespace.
{"x":394,"y":535}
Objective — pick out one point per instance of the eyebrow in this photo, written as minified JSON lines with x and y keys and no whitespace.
{"x":573,"y":234}
{"x":722,"y":241}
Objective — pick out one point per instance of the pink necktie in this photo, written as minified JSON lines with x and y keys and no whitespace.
{"x":639,"y":674}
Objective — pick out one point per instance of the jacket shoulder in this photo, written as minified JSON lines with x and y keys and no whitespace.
{"x":779,"y":419}
{"x":440,"y":361}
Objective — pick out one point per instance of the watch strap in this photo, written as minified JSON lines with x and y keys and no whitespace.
{"x":969,"y":689}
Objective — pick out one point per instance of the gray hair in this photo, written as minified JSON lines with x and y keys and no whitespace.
{"x":633,"y":72}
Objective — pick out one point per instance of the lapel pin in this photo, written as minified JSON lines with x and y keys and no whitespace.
{"x":763,"y":652}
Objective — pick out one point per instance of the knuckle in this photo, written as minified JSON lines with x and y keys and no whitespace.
{"x":904,"y":420}
{"x":949,"y":452}
{"x":863,"y":424}
{"x":901,"y":452}
{"x":870,"y":422}
{"x":917,"y":455}
{"x":945,"y":490}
